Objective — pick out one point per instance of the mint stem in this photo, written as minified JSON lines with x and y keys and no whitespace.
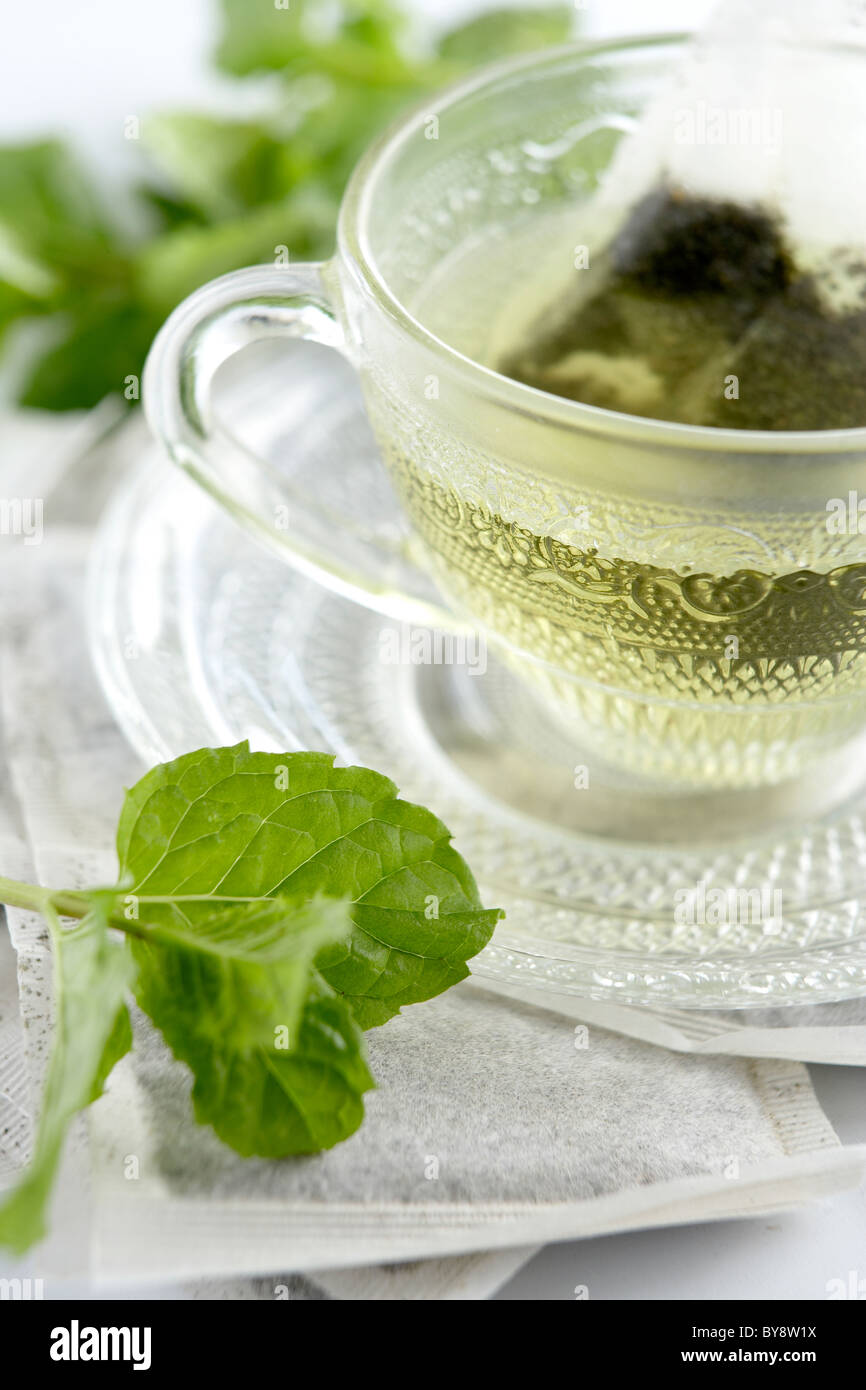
{"x":67,"y":903}
{"x":35,"y":898}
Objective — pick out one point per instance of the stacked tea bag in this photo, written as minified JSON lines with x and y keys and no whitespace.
{"x":729,"y":288}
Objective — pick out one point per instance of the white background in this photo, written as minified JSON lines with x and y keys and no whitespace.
{"x":82,"y":67}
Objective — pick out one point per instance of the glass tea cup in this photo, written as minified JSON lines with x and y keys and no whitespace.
{"x":673,"y":593}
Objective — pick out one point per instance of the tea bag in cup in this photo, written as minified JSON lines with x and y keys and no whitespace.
{"x":727,"y":280}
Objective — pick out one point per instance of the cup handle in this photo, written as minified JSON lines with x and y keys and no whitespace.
{"x":201,"y":334}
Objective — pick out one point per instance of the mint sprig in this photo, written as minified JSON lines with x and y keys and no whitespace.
{"x":217,"y":193}
{"x":269,"y":907}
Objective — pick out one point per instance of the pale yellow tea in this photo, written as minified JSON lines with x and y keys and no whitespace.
{"x":723,"y":676}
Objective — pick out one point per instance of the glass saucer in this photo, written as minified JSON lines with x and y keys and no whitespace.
{"x":612,"y":889}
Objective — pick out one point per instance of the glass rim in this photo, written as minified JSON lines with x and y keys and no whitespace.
{"x":355,"y":249}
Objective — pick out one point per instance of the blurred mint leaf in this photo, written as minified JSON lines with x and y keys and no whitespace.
{"x":103,"y":343}
{"x":503,"y":32}
{"x":339,"y":133}
{"x":26,"y":282}
{"x":277,"y":1059}
{"x":260,"y":824}
{"x":221,"y":193}
{"x":171,"y":209}
{"x":56,"y":247}
{"x":251,"y":958}
{"x":257,"y":35}
{"x":267,"y":1102}
{"x":60,"y":256}
{"x":50,"y":218}
{"x":359,"y":39}
{"x":221,"y":167}
{"x":171,"y":267}
{"x":92,"y":1032}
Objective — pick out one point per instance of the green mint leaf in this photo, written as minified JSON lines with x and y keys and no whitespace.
{"x":92,"y":1033}
{"x":168,"y":210}
{"x":256,"y":35}
{"x":336,"y":133}
{"x":179,"y":261}
{"x":104,"y":344}
{"x":277,"y":1059}
{"x":249,"y":962}
{"x":50,"y":218}
{"x":249,"y":825}
{"x":501,"y":33}
{"x":220,"y":166}
{"x":60,"y":256}
{"x":117,"y":1044}
{"x":358,"y":37}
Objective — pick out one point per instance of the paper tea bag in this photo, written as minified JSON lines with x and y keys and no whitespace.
{"x":730,"y":286}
